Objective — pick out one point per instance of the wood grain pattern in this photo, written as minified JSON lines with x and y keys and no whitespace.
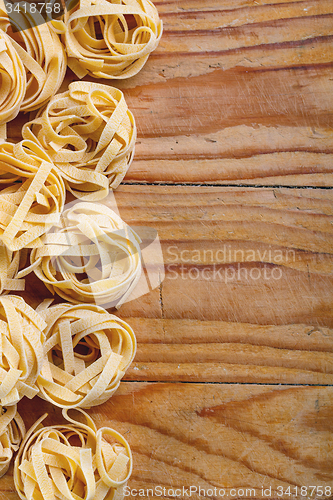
{"x":216,"y":351}
{"x":247,"y":295}
{"x":207,"y":235}
{"x":255,"y":226}
{"x":222,"y":436}
{"x":244,"y":126}
{"x":237,"y":92}
{"x":238,"y":96}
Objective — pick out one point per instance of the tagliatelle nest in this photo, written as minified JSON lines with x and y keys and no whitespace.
{"x":34,"y":196}
{"x":12,"y":431}
{"x":110,"y":39}
{"x":72,"y":461}
{"x":87,"y":351}
{"x":93,"y":257}
{"x":9,"y":270}
{"x":89,"y":133}
{"x":12,"y":82}
{"x":42,"y":55}
{"x":21,"y":336}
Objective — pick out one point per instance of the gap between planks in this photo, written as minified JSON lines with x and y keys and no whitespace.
{"x":215,"y":185}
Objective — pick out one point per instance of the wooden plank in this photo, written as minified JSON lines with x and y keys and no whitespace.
{"x":236,"y":93}
{"x":235,"y":126}
{"x":247,"y":295}
{"x":216,"y":257}
{"x":223,"y":436}
{"x":216,"y":351}
{"x":257,"y":285}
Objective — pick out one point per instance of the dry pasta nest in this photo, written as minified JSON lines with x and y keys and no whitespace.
{"x":87,"y":351}
{"x":32,"y":194}
{"x":12,"y":82}
{"x":42,"y":55}
{"x":72,"y":460}
{"x":110,"y":39}
{"x":92,"y":256}
{"x":12,"y":431}
{"x":21,"y":336}
{"x":89,"y":133}
{"x":10,"y":263}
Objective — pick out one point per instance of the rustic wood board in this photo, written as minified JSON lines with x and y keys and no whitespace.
{"x":232,"y":383}
{"x":223,"y":436}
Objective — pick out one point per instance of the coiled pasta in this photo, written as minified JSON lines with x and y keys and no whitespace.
{"x":87,"y":351}
{"x":110,"y":39}
{"x":89,"y":133}
{"x":21,"y":336}
{"x":72,"y":461}
{"x":12,"y":82}
{"x":34,"y":196}
{"x":41,"y":53}
{"x":9,"y":270}
{"x":93,"y":257}
{"x":12,"y":431}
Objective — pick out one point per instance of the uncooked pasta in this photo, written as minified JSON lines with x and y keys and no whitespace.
{"x":32,"y":194}
{"x":21,"y":337}
{"x":71,"y":461}
{"x":87,"y":351}
{"x":12,"y":430}
{"x":92,"y":256}
{"x":12,"y":82}
{"x":9,"y":269}
{"x":110,"y":39}
{"x":41,"y":53}
{"x":89,"y":133}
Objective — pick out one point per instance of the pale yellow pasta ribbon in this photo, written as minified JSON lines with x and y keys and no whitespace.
{"x":31,"y":205}
{"x":86,"y":353}
{"x":21,"y":347}
{"x":12,"y":431}
{"x":93,"y":257}
{"x":72,"y":461}
{"x":12,"y":82}
{"x":10,"y":262}
{"x":110,"y":39}
{"x":41,"y":53}
{"x":89,"y":133}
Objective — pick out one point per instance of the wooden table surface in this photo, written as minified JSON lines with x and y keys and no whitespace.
{"x":232,"y":383}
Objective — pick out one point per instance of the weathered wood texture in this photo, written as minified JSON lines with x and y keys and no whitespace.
{"x":223,"y":436}
{"x":217,"y":246}
{"x":237,"y":230}
{"x":216,"y":351}
{"x":247,"y":294}
{"x":239,"y":92}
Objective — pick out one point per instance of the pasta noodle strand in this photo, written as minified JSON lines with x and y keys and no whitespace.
{"x":87,"y":351}
{"x":72,"y":461}
{"x":89,"y":134}
{"x":31,"y":205}
{"x":22,"y":338}
{"x":12,"y":431}
{"x":12,"y":82}
{"x":41,"y":53}
{"x":110,"y":38}
{"x":91,"y":257}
